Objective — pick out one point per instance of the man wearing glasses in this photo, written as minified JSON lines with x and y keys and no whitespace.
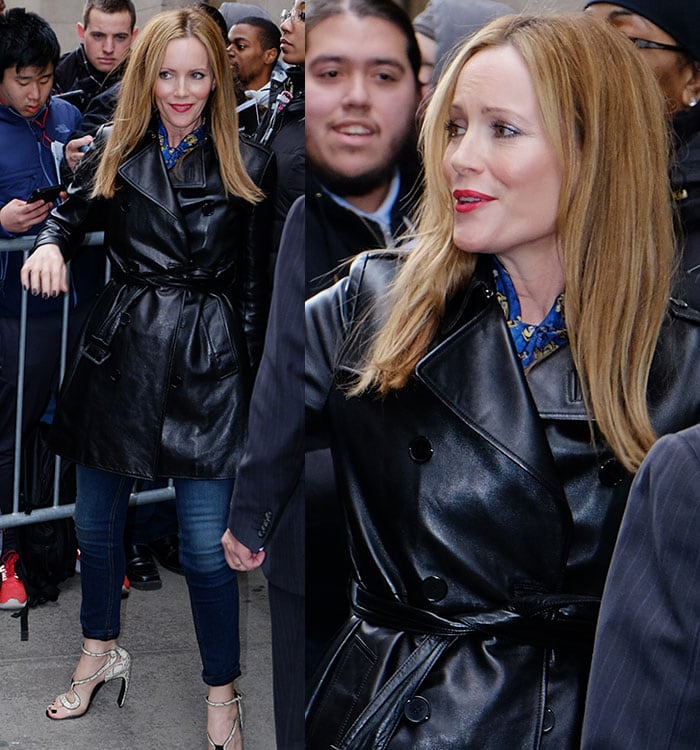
{"x":667,"y":33}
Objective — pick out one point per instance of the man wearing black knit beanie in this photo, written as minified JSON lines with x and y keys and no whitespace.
{"x":667,"y":33}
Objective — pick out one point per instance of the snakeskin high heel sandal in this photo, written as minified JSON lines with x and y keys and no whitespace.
{"x":117,"y":666}
{"x":238,"y":721}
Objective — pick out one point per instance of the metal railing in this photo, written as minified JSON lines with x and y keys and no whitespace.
{"x":20,"y":517}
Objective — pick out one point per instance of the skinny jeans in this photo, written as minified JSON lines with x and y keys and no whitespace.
{"x":202,"y":509}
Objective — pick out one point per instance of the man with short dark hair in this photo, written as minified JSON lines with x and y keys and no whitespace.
{"x":362,"y":90}
{"x":106,"y":32}
{"x":254,"y":45}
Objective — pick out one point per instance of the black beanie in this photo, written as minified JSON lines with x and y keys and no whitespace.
{"x":679,"y":18}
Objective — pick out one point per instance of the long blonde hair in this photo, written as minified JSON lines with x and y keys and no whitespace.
{"x":604,"y":116}
{"x":136,"y":103}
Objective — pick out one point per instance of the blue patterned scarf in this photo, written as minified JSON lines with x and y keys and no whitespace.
{"x":171,"y":154}
{"x":532,"y":342}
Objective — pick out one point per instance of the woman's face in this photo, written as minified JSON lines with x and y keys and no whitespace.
{"x":293,"y":42}
{"x":184,"y":84}
{"x":500,"y":168}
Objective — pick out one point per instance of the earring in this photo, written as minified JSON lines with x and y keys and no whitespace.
{"x":693,"y":102}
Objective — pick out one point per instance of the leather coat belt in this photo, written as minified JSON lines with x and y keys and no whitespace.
{"x":134,"y":286}
{"x":184,"y":277}
{"x":542,"y":620}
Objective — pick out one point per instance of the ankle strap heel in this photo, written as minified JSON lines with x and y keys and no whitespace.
{"x":238,"y":721}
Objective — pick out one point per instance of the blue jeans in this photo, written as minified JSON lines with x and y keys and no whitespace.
{"x":202,"y":509}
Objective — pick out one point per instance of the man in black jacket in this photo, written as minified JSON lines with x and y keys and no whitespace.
{"x":362,"y":62}
{"x":266,"y":523}
{"x":107,"y":30}
{"x":362,"y":84}
{"x":282,"y":126}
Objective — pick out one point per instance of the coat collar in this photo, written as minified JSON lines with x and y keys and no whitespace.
{"x":146,"y":172}
{"x":475,"y":372}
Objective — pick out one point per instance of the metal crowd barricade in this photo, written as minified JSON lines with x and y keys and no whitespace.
{"x":55,"y":511}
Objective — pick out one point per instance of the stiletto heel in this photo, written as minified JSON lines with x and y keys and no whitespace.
{"x":117,"y":666}
{"x":238,"y":721}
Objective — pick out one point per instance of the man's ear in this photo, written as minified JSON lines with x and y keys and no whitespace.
{"x":81,"y":31}
{"x":691,"y":92}
{"x":269,"y":56}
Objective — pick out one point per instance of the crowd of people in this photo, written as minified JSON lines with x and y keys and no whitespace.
{"x":469,"y":474}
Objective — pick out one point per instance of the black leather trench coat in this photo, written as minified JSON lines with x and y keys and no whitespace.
{"x":161,"y":380}
{"x":481,"y":522}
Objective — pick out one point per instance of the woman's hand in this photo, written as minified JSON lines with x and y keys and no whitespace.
{"x":45,"y":272}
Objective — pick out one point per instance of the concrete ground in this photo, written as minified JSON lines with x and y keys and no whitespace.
{"x":165,"y":704}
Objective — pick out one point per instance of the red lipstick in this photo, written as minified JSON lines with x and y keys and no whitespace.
{"x":469,"y":200}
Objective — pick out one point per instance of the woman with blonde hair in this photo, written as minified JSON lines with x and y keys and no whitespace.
{"x":160,"y":384}
{"x":489,"y":392}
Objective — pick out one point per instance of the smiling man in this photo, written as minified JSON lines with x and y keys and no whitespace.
{"x":362,"y":62}
{"x":107,"y":30}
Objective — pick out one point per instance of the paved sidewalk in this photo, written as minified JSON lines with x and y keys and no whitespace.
{"x":165,"y":703}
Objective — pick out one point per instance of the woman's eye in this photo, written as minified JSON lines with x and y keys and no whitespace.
{"x":504,"y":131}
{"x":454,"y":130}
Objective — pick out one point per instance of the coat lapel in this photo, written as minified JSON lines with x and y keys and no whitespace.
{"x":476,"y":373}
{"x":145,"y":171}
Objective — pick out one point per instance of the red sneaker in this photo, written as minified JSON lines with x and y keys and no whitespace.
{"x":13,"y":595}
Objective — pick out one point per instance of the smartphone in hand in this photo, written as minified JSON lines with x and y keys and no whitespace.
{"x":48,"y":194}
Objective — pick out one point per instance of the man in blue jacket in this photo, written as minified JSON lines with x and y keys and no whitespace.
{"x":33,"y":130}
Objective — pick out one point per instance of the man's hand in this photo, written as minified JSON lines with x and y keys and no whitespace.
{"x":238,"y":556}
{"x":18,"y":216}
{"x":75,"y":150}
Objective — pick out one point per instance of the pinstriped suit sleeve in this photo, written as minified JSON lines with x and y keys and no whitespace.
{"x":644,"y":689}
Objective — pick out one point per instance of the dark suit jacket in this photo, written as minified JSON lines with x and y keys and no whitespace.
{"x":267,"y":508}
{"x":644,"y":689}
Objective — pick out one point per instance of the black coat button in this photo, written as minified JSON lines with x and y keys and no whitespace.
{"x":547,"y":720}
{"x":434,"y":589}
{"x":417,"y":709}
{"x":208,"y":208}
{"x":420,"y":450}
{"x":611,"y":472}
{"x":176,"y":381}
{"x":115,"y":375}
{"x":124,"y":318}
